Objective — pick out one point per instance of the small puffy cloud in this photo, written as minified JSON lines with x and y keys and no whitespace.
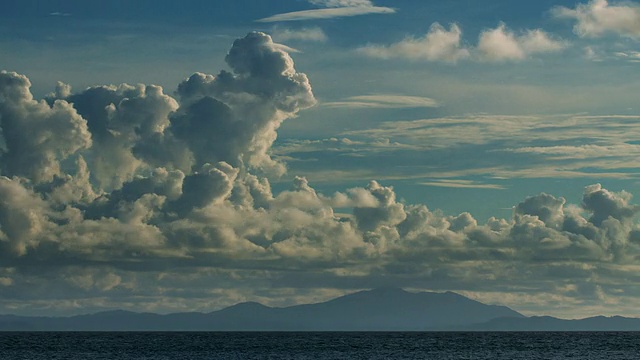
{"x":501,"y":44}
{"x":547,"y":208}
{"x":598,"y":17}
{"x":331,"y":9}
{"x":439,"y":44}
{"x":304,"y":34}
{"x":384,"y":101}
{"x":388,"y":212}
{"x":591,"y":54}
{"x":537,"y":41}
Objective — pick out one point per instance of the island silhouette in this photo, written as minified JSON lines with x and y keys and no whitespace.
{"x":383,"y":309}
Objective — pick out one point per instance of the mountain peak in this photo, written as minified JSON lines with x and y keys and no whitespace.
{"x":388,"y":290}
{"x":246,"y":307}
{"x":249,"y":304}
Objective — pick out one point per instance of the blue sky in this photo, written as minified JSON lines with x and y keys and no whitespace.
{"x":406,"y":143}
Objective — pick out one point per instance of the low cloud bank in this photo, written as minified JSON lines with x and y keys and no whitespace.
{"x":124,"y":196}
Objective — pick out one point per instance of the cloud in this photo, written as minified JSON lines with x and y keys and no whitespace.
{"x":591,"y":54}
{"x":501,"y":44}
{"x":229,"y":118}
{"x":383,"y":215}
{"x":36,"y":136}
{"x":383,"y":101}
{"x":597,"y":18}
{"x":589,"y":151}
{"x":608,"y":205}
{"x":304,"y":34}
{"x":630,"y":56}
{"x":134,"y":199}
{"x":22,"y":217}
{"x":560,"y":146}
{"x":461,"y":184}
{"x":122,"y":120}
{"x":439,"y":44}
{"x":545,"y":207}
{"x":341,"y":3}
{"x":332,"y":9}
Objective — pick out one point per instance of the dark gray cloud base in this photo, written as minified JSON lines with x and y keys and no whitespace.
{"x":124,"y":196}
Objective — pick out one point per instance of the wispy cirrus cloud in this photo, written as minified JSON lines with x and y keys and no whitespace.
{"x":341,"y":3}
{"x":384,"y":101}
{"x":331,"y":9}
{"x":562,"y":146}
{"x":461,"y":184}
{"x":483,"y":129}
{"x":631,"y":56}
{"x":315,"y":34}
{"x":59,"y":13}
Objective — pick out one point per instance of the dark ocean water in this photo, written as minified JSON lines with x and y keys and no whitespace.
{"x":398,"y":345}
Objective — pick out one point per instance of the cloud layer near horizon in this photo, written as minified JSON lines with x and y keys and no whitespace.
{"x":124,"y":196}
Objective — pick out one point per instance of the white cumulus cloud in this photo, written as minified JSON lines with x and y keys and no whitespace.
{"x":439,"y":44}
{"x":502,"y":44}
{"x":598,"y":17}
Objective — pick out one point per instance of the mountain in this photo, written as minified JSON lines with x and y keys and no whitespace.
{"x":380,"y":309}
{"x":396,"y":309}
{"x":386,"y":309}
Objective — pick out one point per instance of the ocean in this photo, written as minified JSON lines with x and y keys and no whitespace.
{"x":322,"y":345}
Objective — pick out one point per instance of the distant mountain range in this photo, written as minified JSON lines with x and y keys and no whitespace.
{"x":387,"y":309}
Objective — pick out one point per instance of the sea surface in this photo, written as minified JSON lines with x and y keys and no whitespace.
{"x":325,"y":345}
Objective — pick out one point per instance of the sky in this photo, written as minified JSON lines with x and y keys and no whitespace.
{"x":171,"y":156}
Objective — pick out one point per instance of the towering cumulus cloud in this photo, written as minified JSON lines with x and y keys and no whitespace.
{"x":123,"y":196}
{"x":248,"y":106}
